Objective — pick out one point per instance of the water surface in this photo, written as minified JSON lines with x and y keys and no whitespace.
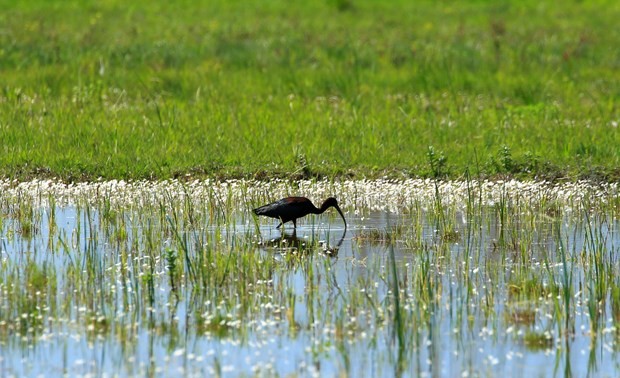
{"x":177,"y":287}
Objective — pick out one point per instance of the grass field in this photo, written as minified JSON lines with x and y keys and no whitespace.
{"x":151,"y":89}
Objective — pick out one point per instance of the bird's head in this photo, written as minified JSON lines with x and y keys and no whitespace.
{"x":332,"y":202}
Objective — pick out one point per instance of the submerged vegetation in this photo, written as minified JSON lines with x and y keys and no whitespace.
{"x":359,"y":88}
{"x":175,"y":277}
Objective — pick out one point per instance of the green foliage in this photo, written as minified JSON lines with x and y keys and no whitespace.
{"x":437,"y":163}
{"x":538,"y":341}
{"x":162,"y":89}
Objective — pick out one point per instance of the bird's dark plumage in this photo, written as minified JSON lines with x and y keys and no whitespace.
{"x":290,"y":208}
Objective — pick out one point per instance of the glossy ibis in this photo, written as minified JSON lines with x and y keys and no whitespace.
{"x":290,"y":208}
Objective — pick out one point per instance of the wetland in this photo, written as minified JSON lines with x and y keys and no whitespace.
{"x":472,"y":146}
{"x":431,"y":278}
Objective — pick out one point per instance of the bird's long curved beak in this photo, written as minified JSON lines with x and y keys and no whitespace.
{"x":342,"y":215}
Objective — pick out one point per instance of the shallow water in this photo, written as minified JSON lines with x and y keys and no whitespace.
{"x":174,"y":289}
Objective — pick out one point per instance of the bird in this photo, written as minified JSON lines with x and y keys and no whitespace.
{"x":290,"y":208}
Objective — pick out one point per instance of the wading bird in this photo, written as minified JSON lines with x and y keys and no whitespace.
{"x":290,"y":208}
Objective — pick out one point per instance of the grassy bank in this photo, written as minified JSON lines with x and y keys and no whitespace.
{"x":156,"y":90}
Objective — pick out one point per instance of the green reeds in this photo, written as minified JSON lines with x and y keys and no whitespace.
{"x":184,"y":276}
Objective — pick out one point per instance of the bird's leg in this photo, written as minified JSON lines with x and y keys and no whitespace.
{"x":295,"y":223}
{"x":280,"y":225}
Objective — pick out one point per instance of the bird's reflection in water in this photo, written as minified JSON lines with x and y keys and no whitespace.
{"x":289,"y":243}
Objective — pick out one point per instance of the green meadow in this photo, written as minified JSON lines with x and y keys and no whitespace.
{"x":336,"y":88}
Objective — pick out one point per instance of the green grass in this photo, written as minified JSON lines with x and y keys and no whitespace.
{"x":333,"y":88}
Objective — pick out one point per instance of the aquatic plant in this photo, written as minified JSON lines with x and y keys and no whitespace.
{"x":184,"y":270}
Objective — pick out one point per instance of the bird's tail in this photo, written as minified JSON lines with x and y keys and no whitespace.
{"x":267,"y":210}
